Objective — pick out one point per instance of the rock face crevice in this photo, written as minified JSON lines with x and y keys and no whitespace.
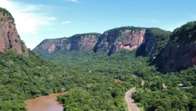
{"x":9,"y":37}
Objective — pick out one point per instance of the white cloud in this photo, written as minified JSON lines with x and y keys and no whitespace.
{"x":75,"y":1}
{"x":29,"y":19}
{"x":66,"y":22}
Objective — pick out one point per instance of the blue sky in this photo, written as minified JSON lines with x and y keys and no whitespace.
{"x":37,"y":20}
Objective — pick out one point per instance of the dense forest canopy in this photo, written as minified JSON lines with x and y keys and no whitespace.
{"x":94,"y":82}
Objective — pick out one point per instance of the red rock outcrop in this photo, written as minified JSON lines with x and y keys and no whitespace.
{"x":83,"y":42}
{"x":143,"y":40}
{"x":114,"y":40}
{"x":9,"y":37}
{"x":50,"y":46}
{"x":130,"y":38}
{"x":79,"y":42}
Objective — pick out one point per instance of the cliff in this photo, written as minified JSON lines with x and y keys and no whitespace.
{"x":50,"y":46}
{"x":180,"y":52}
{"x":9,"y":37}
{"x":145,"y":41}
{"x":80,"y":42}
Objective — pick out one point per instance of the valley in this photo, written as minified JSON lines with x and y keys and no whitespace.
{"x":125,"y":68}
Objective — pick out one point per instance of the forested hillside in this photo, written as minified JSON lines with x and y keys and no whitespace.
{"x":180,"y":51}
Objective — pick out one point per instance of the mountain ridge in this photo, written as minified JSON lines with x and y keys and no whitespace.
{"x":74,"y":43}
{"x":107,"y":48}
{"x":169,"y":51}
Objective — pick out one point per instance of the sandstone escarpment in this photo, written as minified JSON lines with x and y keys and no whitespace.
{"x":9,"y":37}
{"x":83,"y":42}
{"x":143,"y":40}
{"x":79,"y":42}
{"x":127,"y":38}
{"x":50,"y":46}
{"x":180,"y":52}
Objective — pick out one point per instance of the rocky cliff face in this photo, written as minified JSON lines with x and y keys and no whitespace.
{"x":9,"y":37}
{"x":79,"y":42}
{"x":143,"y":40}
{"x":146,"y":42}
{"x":83,"y":42}
{"x":180,"y":51}
{"x":50,"y":46}
{"x":155,"y":40}
{"x":114,"y":40}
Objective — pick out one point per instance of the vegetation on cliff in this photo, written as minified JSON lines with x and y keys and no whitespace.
{"x":5,"y":13}
{"x":179,"y":52}
{"x":185,"y":34}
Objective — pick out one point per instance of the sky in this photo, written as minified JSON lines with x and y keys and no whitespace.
{"x":37,"y":20}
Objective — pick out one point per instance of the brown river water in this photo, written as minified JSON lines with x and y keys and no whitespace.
{"x":44,"y":103}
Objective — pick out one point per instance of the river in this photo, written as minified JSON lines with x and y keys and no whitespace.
{"x":44,"y":103}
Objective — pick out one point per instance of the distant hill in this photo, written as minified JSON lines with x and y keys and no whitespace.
{"x":169,"y":51}
{"x":147,"y":42}
{"x":78,"y":42}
